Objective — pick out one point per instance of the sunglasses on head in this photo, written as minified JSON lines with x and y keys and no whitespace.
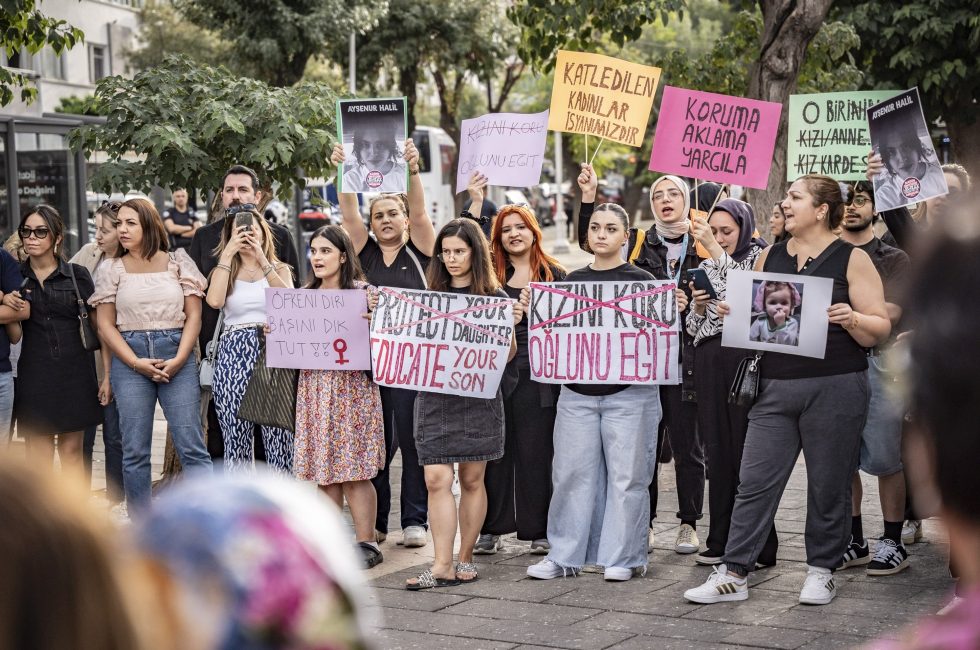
{"x":112,"y":205}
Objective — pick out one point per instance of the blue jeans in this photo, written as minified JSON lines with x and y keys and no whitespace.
{"x":136,"y":398}
{"x":112,"y":441}
{"x":6,"y":404}
{"x":605,"y":451}
{"x":881,"y":441}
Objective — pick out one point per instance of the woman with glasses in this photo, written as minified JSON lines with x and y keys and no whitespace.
{"x":458,"y":429}
{"x":395,"y":252}
{"x":54,"y":367}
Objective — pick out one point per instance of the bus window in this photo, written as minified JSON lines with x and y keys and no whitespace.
{"x":421,"y":140}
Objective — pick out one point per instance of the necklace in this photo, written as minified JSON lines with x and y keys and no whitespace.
{"x":251,"y":272}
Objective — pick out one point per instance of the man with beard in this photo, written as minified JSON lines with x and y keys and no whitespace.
{"x":881,"y":441}
{"x":239,"y":187}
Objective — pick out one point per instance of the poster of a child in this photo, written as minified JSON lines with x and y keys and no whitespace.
{"x":776,"y":308}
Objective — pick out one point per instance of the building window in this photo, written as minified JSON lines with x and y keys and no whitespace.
{"x":21,"y":60}
{"x":52,"y":65}
{"x":98,"y":56}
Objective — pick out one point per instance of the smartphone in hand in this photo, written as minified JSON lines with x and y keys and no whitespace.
{"x":701,"y":282}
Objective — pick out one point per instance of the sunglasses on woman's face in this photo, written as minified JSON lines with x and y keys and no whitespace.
{"x":37,"y":233}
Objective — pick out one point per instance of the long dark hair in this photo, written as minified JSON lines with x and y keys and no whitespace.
{"x":154,"y":234}
{"x":54,"y":223}
{"x":484,"y":280}
{"x":350,"y":268}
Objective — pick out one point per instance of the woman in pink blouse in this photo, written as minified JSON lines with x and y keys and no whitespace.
{"x":149,"y":311}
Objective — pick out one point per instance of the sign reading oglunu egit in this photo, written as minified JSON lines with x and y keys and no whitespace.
{"x":604,"y":332}
{"x":602,"y":96}
{"x":441,"y":342}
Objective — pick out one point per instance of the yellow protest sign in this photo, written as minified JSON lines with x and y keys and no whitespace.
{"x":602,"y":96}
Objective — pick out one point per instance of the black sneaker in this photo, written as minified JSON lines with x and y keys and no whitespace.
{"x":890,"y":558}
{"x":856,"y":554}
{"x":709,"y":557}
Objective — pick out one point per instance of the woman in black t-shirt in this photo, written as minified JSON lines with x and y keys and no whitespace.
{"x":395,"y":253}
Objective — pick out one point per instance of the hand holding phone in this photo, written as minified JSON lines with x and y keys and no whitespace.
{"x":701,"y":282}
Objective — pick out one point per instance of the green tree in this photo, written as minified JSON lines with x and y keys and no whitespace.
{"x":277,"y":38}
{"x":931,"y":44}
{"x":182,"y":124}
{"x":75,"y":105}
{"x":164,"y":30}
{"x":23,"y":26}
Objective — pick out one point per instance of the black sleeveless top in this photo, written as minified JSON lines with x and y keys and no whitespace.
{"x":403,"y":272}
{"x":843,"y":354}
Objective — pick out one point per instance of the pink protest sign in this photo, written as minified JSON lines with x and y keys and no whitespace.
{"x":715,"y":137}
{"x":317,"y":329}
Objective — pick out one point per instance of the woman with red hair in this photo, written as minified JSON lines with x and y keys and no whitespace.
{"x":519,"y":484}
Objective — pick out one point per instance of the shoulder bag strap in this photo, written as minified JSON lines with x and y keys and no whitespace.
{"x":211,"y":350}
{"x":418,"y":264}
{"x":641,"y":236}
{"x":82,"y":309}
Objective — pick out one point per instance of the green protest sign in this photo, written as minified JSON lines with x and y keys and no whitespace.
{"x":828,"y":133}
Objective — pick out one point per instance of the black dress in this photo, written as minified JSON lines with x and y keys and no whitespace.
{"x":57,"y":390}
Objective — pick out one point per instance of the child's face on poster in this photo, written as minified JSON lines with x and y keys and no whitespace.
{"x":779,"y":305}
{"x":375,"y":147}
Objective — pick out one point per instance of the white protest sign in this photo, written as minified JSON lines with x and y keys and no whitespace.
{"x":507,"y":148}
{"x":604,"y":332}
{"x":441,"y":342}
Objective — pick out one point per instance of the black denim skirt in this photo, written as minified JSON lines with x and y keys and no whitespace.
{"x":455,"y":429}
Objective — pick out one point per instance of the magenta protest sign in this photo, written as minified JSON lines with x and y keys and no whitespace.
{"x":317,"y":329}
{"x":507,"y":148}
{"x":715,"y":137}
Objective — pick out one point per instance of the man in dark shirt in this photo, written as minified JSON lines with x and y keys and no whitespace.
{"x":180,"y":221}
{"x":881,"y":442}
{"x":239,"y":187}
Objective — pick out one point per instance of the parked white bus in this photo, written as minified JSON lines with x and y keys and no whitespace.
{"x":436,"y":154}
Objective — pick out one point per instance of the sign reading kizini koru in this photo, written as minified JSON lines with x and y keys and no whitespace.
{"x":441,"y":342}
{"x":507,"y":148}
{"x":604,"y":332}
{"x":317,"y":329}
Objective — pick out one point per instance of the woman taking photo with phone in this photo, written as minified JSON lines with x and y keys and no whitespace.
{"x":247,"y":266}
{"x":54,"y":365}
{"x":149,"y":311}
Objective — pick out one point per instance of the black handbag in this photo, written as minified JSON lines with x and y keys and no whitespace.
{"x":270,"y":397}
{"x":89,"y":340}
{"x":745,"y":388}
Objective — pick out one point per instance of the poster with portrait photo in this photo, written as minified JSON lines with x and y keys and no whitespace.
{"x":373,"y":134}
{"x":899,"y":133}
{"x":777,"y":312}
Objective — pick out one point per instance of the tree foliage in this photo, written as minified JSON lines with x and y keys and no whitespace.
{"x":74,"y":105}
{"x":188,"y":123}
{"x":23,"y":26}
{"x":277,"y":38}
{"x":164,"y":30}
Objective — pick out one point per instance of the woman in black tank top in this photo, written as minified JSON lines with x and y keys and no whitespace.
{"x":817,"y":406}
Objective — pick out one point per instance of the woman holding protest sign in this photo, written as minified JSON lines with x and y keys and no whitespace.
{"x":727,"y":236}
{"x":519,"y":484}
{"x":817,"y":405}
{"x":247,"y":265}
{"x":459,"y":429}
{"x":339,"y":428}
{"x":396,"y":256}
{"x":605,"y":445}
{"x":667,"y":252}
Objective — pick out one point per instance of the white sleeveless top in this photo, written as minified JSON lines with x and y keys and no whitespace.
{"x":246,"y":304}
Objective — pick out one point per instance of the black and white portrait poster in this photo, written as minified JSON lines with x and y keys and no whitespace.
{"x":373,"y":133}
{"x":899,"y":133}
{"x":777,"y":312}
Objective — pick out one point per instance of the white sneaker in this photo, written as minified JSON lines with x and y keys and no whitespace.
{"x":687,"y":541}
{"x":650,"y":542}
{"x":414,"y":537}
{"x":819,"y":587}
{"x":546,"y":570}
{"x":719,"y":588}
{"x":912,"y":531}
{"x":617,"y":574}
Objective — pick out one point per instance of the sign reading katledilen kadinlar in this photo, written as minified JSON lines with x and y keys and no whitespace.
{"x":317,"y":329}
{"x":441,"y":342}
{"x":604,"y":332}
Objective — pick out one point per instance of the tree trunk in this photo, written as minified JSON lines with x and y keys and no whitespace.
{"x":964,"y":135}
{"x":788,"y":28}
{"x":448,"y":109}
{"x":408,"y":79}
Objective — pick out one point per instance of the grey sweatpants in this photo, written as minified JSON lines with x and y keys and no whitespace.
{"x":823,"y":417}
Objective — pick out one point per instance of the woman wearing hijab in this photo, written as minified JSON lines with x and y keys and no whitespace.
{"x":667,"y":252}
{"x":727,"y":235}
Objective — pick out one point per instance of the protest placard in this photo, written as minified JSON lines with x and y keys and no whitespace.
{"x":507,"y":148}
{"x":602,"y":96}
{"x":777,"y":312}
{"x":604,"y":332}
{"x":912,"y":171}
{"x":828,"y":134}
{"x":317,"y":329}
{"x":373,"y":134}
{"x":441,"y":342}
{"x":715,"y":137}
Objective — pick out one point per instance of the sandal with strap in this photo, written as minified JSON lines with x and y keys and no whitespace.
{"x":372,"y":557}
{"x":426,"y":580}
{"x":466,"y":567}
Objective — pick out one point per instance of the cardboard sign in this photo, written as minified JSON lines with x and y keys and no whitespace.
{"x":828,"y":134}
{"x":602,"y":96}
{"x":317,"y":329}
{"x":441,"y":342}
{"x":508,"y":148}
{"x":777,"y":312}
{"x":715,"y":137}
{"x":373,"y":134}
{"x":899,"y":133}
{"x":604,"y":332}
